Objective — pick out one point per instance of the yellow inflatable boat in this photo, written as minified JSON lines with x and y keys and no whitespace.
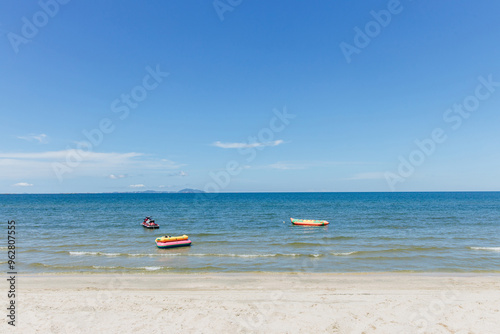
{"x":168,"y":238}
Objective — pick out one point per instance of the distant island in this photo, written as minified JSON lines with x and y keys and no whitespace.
{"x":183,"y":191}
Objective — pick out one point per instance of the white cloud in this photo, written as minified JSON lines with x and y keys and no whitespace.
{"x":70,"y":154}
{"x":17,"y":165}
{"x":41,"y":138}
{"x":169,"y":164}
{"x":136,"y":186}
{"x":181,"y":173}
{"x":23,"y":184}
{"x":247,"y":145}
{"x":114,"y":177}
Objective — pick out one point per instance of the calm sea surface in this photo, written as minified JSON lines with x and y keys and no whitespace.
{"x":368,"y":232}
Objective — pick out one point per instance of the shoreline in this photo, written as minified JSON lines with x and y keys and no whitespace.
{"x":259,"y":303}
{"x":264,"y":273}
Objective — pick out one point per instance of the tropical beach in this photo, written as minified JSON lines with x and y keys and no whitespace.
{"x":232,"y":166}
{"x":387,"y":262}
{"x":260,"y":303}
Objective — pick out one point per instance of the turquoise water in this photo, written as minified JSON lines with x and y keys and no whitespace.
{"x":368,"y":232}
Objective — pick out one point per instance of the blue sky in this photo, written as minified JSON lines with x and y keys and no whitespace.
{"x":249,"y":96}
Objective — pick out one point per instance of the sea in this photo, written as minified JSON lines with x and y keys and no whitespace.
{"x":422,"y":232}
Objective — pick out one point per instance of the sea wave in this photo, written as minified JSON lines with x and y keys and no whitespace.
{"x":209,"y":234}
{"x":94,"y":254}
{"x":33,"y":250}
{"x":344,"y":254}
{"x":396,"y":250}
{"x":217,"y":242}
{"x":298,"y":244}
{"x":192,"y":254}
{"x":150,"y":268}
{"x":74,"y":245}
{"x":246,"y":255}
{"x":60,"y":267}
{"x":492,"y":249}
{"x":339,"y":237}
{"x":406,"y":250}
{"x":70,"y":268}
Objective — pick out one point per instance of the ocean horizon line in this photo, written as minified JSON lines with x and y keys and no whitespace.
{"x":148,"y":192}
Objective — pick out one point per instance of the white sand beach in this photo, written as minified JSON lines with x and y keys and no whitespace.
{"x":257,"y":303}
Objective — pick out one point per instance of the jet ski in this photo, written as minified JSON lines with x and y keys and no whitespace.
{"x":149,"y":223}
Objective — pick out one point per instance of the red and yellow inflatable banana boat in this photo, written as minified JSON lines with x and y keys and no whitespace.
{"x":168,"y":238}
{"x":309,"y":222}
{"x":170,"y":242}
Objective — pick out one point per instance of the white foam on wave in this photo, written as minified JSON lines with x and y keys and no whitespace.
{"x":110,"y":254}
{"x":122,"y":254}
{"x":492,"y":249}
{"x":82,"y":253}
{"x":241,"y":255}
{"x":93,"y":254}
{"x":344,"y":254}
{"x":189,"y":254}
{"x":250,"y":255}
{"x":140,"y":255}
{"x":150,"y":268}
